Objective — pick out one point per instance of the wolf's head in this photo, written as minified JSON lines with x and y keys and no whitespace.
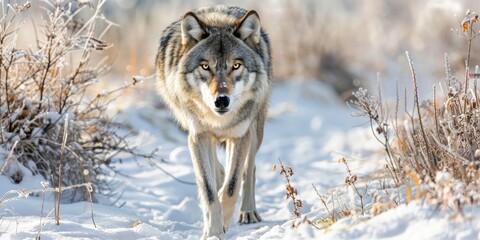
{"x":223,"y":62}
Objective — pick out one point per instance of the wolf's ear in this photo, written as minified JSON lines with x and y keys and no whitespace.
{"x":192,"y":28}
{"x":249,"y":27}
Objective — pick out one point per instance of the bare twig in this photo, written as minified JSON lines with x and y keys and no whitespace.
{"x":8,"y":159}
{"x":369,"y":106}
{"x":435,"y":110}
{"x":62,"y":156}
{"x":467,"y":28}
{"x":44,"y":185}
{"x":430,"y":156}
{"x":350,"y":180}
{"x":324,"y":202}
{"x":287,"y":172}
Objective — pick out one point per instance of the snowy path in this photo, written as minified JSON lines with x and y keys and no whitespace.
{"x":308,"y":131}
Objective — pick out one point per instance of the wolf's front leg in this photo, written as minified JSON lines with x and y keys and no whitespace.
{"x":236,"y":151}
{"x":248,"y":210}
{"x":203,"y":153}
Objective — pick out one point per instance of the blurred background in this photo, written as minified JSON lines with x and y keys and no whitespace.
{"x":342,"y":43}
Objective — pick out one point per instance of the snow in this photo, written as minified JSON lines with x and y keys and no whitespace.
{"x":309,"y":129}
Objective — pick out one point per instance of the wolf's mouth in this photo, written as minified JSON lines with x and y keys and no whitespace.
{"x":221,"y":111}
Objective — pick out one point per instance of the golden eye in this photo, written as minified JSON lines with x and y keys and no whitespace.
{"x":205,"y":66}
{"x":236,"y":66}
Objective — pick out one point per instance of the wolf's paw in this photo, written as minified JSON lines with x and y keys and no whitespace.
{"x":220,"y":236}
{"x":247,"y":217}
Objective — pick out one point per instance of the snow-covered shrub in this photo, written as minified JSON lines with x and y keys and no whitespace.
{"x":47,"y":96}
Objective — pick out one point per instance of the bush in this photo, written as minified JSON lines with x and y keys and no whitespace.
{"x":49,"y":118}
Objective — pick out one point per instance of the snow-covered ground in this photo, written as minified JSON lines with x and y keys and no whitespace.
{"x":309,"y":129}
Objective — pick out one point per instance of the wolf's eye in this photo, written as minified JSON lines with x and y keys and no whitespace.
{"x":205,"y":66}
{"x":236,"y":66}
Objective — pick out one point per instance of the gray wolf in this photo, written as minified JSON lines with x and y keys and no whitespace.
{"x":213,"y":71}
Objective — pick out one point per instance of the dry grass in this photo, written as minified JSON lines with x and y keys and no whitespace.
{"x":436,"y":147}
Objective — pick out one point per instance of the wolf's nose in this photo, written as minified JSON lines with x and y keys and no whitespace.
{"x":222,"y":102}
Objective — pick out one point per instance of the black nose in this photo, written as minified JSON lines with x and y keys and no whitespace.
{"x":222,"y":102}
